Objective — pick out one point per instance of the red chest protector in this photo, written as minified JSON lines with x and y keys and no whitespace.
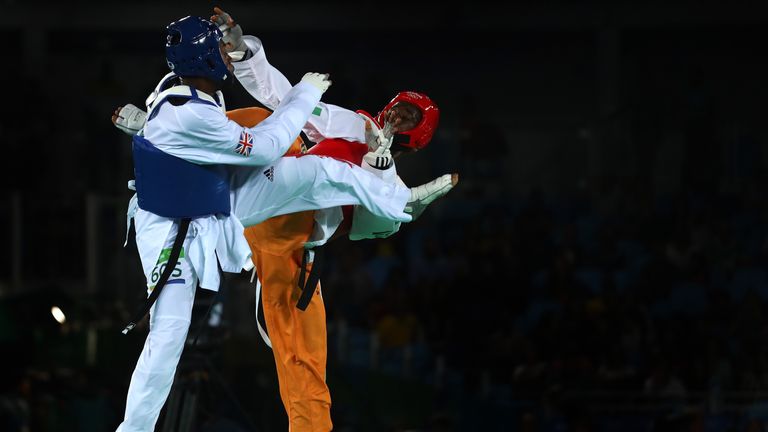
{"x":340,"y":149}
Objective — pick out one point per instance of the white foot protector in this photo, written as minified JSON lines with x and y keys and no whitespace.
{"x":422,"y":196}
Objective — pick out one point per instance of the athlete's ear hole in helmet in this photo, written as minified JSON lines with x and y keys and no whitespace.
{"x":174,"y":38}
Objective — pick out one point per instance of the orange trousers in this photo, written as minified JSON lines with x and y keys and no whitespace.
{"x":299,"y":338}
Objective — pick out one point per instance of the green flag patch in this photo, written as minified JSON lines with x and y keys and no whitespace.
{"x":166,"y":253}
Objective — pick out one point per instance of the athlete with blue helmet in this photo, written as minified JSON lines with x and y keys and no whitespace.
{"x":200,"y":177}
{"x":193,"y":49}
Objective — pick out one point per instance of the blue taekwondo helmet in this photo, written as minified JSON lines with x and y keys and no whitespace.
{"x":192,"y":49}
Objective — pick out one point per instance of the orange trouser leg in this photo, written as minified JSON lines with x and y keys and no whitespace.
{"x":299,"y":339}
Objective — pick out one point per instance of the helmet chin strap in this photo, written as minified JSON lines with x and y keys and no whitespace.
{"x":401,"y":139}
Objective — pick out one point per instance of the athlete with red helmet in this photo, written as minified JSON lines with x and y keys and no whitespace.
{"x":286,"y":248}
{"x":413,"y":115}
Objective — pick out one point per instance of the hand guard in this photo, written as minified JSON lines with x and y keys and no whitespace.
{"x":377,"y":160}
{"x":131,"y":119}
{"x":376,"y":138}
{"x":318,"y":80}
{"x":233,"y":34}
{"x":379,"y":141}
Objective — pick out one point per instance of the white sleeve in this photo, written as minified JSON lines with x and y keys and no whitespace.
{"x":268,"y":86}
{"x":331,"y":121}
{"x":366,"y":225}
{"x":259,"y":78}
{"x":211,"y":138}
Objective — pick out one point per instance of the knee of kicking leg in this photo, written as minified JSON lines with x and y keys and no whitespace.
{"x":313,"y":167}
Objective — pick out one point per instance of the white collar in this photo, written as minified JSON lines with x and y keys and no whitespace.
{"x":184,"y":91}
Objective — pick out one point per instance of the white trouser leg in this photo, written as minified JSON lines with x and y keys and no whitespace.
{"x":295,"y":184}
{"x":169,"y":324}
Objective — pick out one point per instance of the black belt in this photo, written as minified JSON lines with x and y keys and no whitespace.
{"x":169,"y":266}
{"x":308,"y":288}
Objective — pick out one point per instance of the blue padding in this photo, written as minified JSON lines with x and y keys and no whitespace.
{"x":172,"y":187}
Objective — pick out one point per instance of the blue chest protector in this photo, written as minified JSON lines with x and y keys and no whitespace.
{"x":171,"y":187}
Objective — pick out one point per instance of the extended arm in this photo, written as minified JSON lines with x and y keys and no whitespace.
{"x":269,"y":86}
{"x":201,"y":133}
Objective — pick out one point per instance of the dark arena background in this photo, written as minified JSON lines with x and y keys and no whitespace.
{"x":601,"y":265}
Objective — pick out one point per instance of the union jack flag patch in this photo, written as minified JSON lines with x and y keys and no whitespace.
{"x":245,"y":144}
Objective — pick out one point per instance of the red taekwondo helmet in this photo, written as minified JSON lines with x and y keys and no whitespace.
{"x":421,"y":134}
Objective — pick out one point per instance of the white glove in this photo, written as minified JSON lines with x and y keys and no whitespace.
{"x":318,"y":80}
{"x":233,"y":34}
{"x":378,"y":160}
{"x":131,"y":119}
{"x":379,"y":141}
{"x":375,"y":137}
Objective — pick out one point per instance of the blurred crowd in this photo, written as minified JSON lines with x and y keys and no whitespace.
{"x":620,"y":296}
